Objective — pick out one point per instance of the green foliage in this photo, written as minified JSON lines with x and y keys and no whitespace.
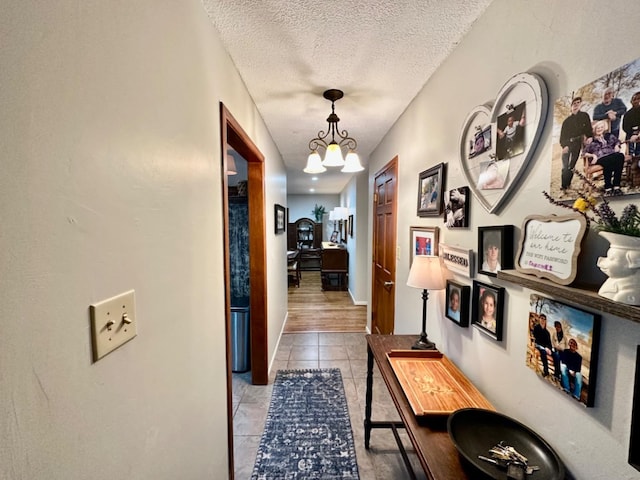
{"x":318,"y":212}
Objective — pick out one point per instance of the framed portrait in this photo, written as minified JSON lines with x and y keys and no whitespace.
{"x":456,"y":207}
{"x":424,"y":241}
{"x":488,"y":309}
{"x":495,"y":249}
{"x":457,"y":303}
{"x":351,"y":226}
{"x":430,"y":189}
{"x":280,"y":214}
{"x":563,"y":346}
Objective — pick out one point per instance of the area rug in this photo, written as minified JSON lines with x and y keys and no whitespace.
{"x":308,"y":433}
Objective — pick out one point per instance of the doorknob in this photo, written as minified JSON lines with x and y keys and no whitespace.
{"x":388,"y":284}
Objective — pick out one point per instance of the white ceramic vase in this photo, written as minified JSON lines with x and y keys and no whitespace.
{"x":622,"y":266}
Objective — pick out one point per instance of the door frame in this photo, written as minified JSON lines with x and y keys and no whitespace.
{"x":233,"y":135}
{"x":392,"y":165}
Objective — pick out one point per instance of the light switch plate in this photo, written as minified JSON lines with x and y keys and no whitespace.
{"x":113,"y":323}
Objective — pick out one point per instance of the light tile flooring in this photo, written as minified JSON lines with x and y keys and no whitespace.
{"x":348,"y":352}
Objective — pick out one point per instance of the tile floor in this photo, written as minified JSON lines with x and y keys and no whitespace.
{"x":347,"y":351}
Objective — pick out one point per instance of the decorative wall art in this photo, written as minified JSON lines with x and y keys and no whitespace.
{"x":498,"y":142}
{"x":550,"y":246}
{"x":279,"y":213}
{"x":563,"y":347}
{"x":608,"y":104}
{"x":430,"y":188}
{"x":457,"y":303}
{"x":458,"y":260}
{"x":488,"y":309}
{"x":424,"y":241}
{"x":456,"y":207}
{"x":351,"y":226}
{"x":495,"y":249}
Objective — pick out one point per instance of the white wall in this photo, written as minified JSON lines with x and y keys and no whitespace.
{"x":109,"y":139}
{"x":569,"y":44}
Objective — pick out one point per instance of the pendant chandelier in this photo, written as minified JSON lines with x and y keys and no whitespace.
{"x":333,"y":149}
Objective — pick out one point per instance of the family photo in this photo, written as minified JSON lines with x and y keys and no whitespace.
{"x":596,"y":131}
{"x":563,"y":347}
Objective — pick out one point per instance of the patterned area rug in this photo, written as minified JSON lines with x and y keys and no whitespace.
{"x":308,"y":432}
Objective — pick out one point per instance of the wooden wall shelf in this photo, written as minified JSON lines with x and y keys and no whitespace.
{"x":586,"y":295}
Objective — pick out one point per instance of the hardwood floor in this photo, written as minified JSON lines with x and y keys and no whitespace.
{"x":312,"y":310}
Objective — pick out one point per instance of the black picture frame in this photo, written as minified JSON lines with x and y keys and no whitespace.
{"x":279,"y":218}
{"x":482,"y":293}
{"x":578,"y":326}
{"x":430,"y":189}
{"x":488,"y":237}
{"x":461,"y":316}
{"x":634,"y":438}
{"x":456,"y":207}
{"x":351,"y":226}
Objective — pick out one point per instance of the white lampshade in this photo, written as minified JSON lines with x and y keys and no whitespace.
{"x":341,"y":213}
{"x":333,"y":156}
{"x":314,"y":163}
{"x":352,"y":163}
{"x":426,"y":273}
{"x":231,"y":165}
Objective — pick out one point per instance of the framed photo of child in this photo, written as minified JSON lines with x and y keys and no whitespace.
{"x":457,"y":303}
{"x":488,"y":309}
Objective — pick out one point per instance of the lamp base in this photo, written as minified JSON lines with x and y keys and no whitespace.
{"x":424,"y":343}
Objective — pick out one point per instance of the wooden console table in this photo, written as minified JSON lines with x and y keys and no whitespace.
{"x":437,"y":454}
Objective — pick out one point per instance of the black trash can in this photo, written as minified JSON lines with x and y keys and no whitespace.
{"x":240,"y":346}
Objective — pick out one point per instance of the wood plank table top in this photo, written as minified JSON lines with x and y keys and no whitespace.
{"x":435,"y":450}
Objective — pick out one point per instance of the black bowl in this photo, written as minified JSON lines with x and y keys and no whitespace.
{"x":474,"y":431}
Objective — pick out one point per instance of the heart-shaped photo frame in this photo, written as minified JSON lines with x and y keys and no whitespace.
{"x":498,"y":141}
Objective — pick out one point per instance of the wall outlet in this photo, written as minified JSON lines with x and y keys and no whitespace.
{"x":113,"y":323}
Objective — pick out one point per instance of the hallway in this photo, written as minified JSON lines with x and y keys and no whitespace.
{"x":322,"y":346}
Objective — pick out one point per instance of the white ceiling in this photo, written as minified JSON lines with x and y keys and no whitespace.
{"x":380,"y":53}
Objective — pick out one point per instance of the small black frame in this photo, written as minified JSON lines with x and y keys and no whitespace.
{"x":461,"y":317}
{"x":483,"y":293}
{"x":430,"y":191}
{"x":280,"y":216}
{"x":500,"y":237}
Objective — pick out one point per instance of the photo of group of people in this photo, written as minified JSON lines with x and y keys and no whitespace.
{"x":563,"y":347}
{"x":596,"y":131}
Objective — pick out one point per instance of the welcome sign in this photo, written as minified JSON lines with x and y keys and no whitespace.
{"x":550,"y":246}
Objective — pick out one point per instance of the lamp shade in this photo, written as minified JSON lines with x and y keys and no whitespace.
{"x":341,"y":213}
{"x":426,"y":273}
{"x":352,"y":163}
{"x":314,"y":163}
{"x":333,"y":156}
{"x":231,"y":165}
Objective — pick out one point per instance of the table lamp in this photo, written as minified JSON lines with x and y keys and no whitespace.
{"x":425,"y":273}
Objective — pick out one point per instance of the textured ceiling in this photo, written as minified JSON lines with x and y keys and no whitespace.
{"x":380,"y":53}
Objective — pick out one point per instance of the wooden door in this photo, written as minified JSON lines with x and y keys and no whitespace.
{"x":384,"y":249}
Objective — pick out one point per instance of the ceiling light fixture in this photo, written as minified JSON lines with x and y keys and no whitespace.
{"x":333,"y":149}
